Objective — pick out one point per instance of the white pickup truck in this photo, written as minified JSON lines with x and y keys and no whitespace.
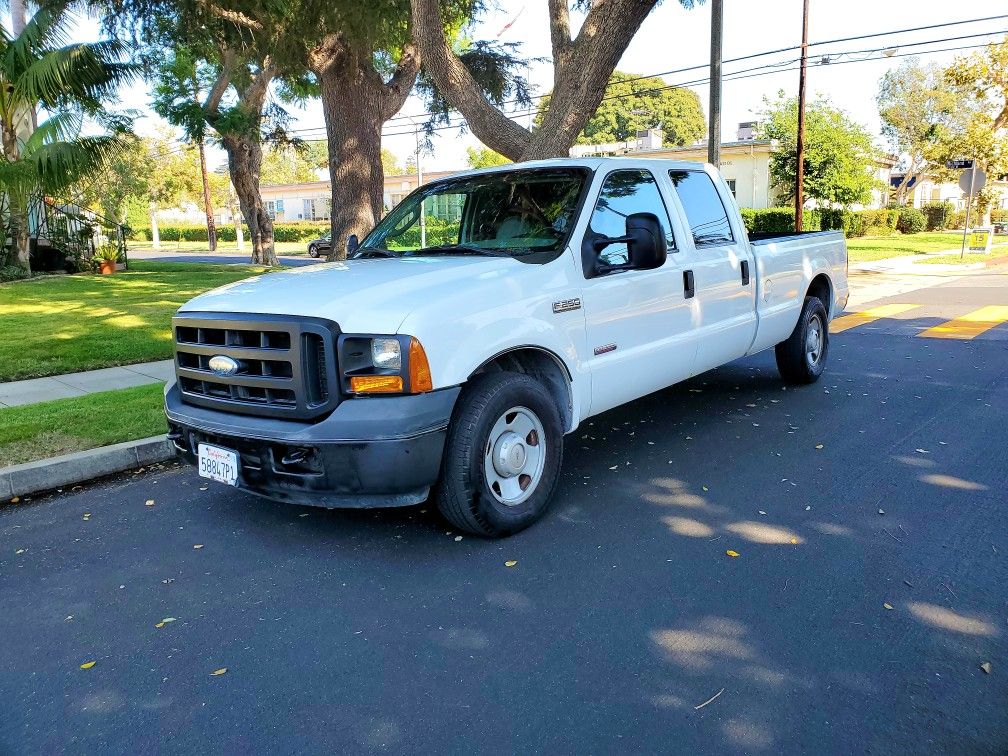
{"x":484,"y":318}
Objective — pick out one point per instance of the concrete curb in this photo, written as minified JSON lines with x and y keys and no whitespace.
{"x":70,"y":469}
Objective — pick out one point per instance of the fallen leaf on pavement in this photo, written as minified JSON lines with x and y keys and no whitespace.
{"x":87,"y":516}
{"x":794,"y":540}
{"x":818,"y":446}
{"x":197,"y":545}
{"x":218,"y":672}
{"x":881,"y":511}
{"x":922,"y":451}
{"x":19,"y":551}
{"x":87,"y":665}
{"x":149,"y":503}
{"x":15,"y":500}
{"x":511,"y":563}
{"x":459,"y":538}
{"x":762,"y":512}
{"x":732,"y":553}
{"x":888,"y":606}
{"x":986,"y":667}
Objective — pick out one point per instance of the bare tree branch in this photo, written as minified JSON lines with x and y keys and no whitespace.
{"x":401,"y":83}
{"x":228,"y":60}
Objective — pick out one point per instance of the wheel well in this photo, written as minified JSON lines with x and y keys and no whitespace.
{"x":820,"y":289}
{"x":540,"y":364}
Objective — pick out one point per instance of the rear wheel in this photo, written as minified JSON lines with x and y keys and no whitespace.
{"x":502,"y":456}
{"x":802,"y":358}
{"x":313,"y":251}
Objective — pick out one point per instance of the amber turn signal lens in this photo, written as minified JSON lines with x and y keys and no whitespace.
{"x":376,"y":384}
{"x":419,"y":369}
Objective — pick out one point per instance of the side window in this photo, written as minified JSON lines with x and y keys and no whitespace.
{"x":624,"y":193}
{"x":705,"y":213}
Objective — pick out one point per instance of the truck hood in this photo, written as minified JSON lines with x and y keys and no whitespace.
{"x":362,"y":296}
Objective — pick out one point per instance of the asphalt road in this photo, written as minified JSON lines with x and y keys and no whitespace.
{"x":379,"y":631}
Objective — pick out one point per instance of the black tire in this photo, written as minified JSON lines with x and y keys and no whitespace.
{"x":797,"y":362}
{"x":463,"y":494}
{"x":313,"y":251}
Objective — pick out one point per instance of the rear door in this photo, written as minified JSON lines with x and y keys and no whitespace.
{"x":638,"y":321}
{"x":723,"y":275}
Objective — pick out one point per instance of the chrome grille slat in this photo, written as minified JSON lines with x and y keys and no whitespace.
{"x":286,"y":365}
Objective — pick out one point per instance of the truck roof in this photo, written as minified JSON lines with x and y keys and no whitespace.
{"x":592,"y":163}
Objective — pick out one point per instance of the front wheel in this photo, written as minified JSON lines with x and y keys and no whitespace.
{"x":802,"y":358}
{"x":502,"y":457}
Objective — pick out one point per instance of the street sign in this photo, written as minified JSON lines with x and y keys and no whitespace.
{"x":980,"y":239}
{"x":969,"y":184}
{"x":956,"y":164}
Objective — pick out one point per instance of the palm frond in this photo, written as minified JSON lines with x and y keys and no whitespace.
{"x":62,"y":126}
{"x":60,"y":164}
{"x":84,"y":74}
{"x":46,"y":29}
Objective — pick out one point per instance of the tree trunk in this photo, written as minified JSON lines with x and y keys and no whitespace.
{"x":207,"y":207}
{"x":353,"y":117}
{"x":155,"y":234}
{"x":244,"y":165}
{"x":17,"y":205}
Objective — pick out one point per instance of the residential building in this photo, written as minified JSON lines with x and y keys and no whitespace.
{"x":927,"y":189}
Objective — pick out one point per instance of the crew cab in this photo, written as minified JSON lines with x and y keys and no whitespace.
{"x":482,"y":320}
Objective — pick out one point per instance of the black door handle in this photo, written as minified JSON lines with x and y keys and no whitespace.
{"x":745,"y":272}
{"x":688,"y":286}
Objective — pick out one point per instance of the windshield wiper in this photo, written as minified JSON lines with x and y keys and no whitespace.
{"x":467,"y":249}
{"x":365,"y":252}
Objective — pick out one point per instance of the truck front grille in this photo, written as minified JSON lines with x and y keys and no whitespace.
{"x":286,"y":366}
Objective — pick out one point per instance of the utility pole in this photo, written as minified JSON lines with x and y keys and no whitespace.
{"x":714,"y":126}
{"x":800,"y":172}
{"x":207,"y":207}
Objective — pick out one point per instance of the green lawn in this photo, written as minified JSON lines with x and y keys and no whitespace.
{"x":38,"y":431}
{"x":868,"y":248}
{"x":62,"y":324}
{"x":282,"y":248}
{"x":955,"y":259}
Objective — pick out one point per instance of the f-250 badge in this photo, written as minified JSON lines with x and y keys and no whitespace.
{"x":566,"y":305}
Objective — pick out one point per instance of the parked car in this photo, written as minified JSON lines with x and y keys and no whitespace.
{"x":320,"y":246}
{"x":545,"y":293}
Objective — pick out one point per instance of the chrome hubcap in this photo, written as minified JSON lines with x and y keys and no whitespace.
{"x":814,"y":340}
{"x":515,"y":455}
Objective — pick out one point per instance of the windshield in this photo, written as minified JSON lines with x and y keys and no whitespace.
{"x":502,"y":213}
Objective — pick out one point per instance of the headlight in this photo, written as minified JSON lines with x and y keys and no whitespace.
{"x":383,"y":365}
{"x":386,"y":354}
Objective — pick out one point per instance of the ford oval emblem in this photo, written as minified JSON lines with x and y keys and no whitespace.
{"x":221,"y":365}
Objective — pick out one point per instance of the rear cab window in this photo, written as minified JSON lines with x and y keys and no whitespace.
{"x":705,"y":212}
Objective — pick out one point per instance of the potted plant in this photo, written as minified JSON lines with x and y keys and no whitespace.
{"x":107,"y":255}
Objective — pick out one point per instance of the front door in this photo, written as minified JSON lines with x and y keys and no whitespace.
{"x":640,"y":338}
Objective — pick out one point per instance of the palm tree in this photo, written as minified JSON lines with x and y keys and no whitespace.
{"x":40,"y":69}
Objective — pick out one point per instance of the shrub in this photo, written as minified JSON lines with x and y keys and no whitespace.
{"x":999,"y":215}
{"x":860,"y":222}
{"x":910,"y":220}
{"x":13,"y":273}
{"x":938,"y":215}
{"x":957,"y":220}
{"x":777,"y":220}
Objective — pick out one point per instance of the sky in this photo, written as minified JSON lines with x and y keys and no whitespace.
{"x":673,"y":38}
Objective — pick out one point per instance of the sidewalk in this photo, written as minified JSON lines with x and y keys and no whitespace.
{"x":36,"y":390}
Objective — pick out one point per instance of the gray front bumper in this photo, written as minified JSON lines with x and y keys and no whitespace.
{"x":370,"y":452}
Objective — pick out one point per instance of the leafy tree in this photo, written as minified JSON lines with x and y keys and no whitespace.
{"x":919,"y":113}
{"x":390,"y":163}
{"x":632,"y":104}
{"x":484,"y":157}
{"x":287,"y":164}
{"x":839,"y":155}
{"x":980,"y":86}
{"x":42,"y":68}
{"x":582,"y":66}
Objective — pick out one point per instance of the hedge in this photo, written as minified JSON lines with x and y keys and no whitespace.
{"x":910,"y":220}
{"x":282,"y":232}
{"x":777,"y":220}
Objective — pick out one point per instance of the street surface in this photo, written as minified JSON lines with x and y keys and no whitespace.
{"x":868,"y":512}
{"x":222,"y":258}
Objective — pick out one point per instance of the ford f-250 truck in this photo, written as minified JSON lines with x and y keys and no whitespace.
{"x":485,"y":317}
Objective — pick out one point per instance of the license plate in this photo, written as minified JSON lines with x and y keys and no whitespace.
{"x":218,"y":464}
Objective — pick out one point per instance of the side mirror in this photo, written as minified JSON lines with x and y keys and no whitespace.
{"x":646,"y":246}
{"x":352,"y":244}
{"x":646,"y":241}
